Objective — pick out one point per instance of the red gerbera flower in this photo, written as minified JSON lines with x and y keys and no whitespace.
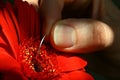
{"x":49,"y":64}
{"x":19,"y":59}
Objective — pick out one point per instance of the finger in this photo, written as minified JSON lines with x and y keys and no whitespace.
{"x":33,"y":2}
{"x":80,"y":35}
{"x":51,"y":12}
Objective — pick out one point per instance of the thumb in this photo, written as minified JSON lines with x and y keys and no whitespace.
{"x":80,"y":35}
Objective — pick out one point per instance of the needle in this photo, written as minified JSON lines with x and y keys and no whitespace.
{"x":41,"y":42}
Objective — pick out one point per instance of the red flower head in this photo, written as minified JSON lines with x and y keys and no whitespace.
{"x":49,"y":64}
{"x":20,"y":58}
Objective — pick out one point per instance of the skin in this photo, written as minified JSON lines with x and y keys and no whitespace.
{"x":97,"y":33}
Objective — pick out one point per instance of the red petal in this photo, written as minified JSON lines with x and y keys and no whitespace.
{"x":9,"y":67}
{"x":32,"y":20}
{"x":70,"y":63}
{"x":7,"y":31}
{"x":28,"y":20}
{"x":76,"y":75}
{"x":9,"y":19}
{"x":7,"y":62}
{"x":11,"y":26}
{"x":37,"y":25}
{"x":14,"y":19}
{"x":13,"y":76}
{"x":22,"y":13}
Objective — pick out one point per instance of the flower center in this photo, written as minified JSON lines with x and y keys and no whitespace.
{"x":35,"y":65}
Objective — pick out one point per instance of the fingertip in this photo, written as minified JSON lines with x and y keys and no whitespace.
{"x":107,"y":34}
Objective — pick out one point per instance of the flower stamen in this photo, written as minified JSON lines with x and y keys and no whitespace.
{"x":38,"y":60}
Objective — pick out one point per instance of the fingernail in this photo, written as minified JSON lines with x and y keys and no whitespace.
{"x":64,"y":36}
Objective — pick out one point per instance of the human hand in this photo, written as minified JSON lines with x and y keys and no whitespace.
{"x":85,"y":35}
{"x":80,"y":35}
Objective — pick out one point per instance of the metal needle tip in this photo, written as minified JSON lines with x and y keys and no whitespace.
{"x":41,"y":42}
